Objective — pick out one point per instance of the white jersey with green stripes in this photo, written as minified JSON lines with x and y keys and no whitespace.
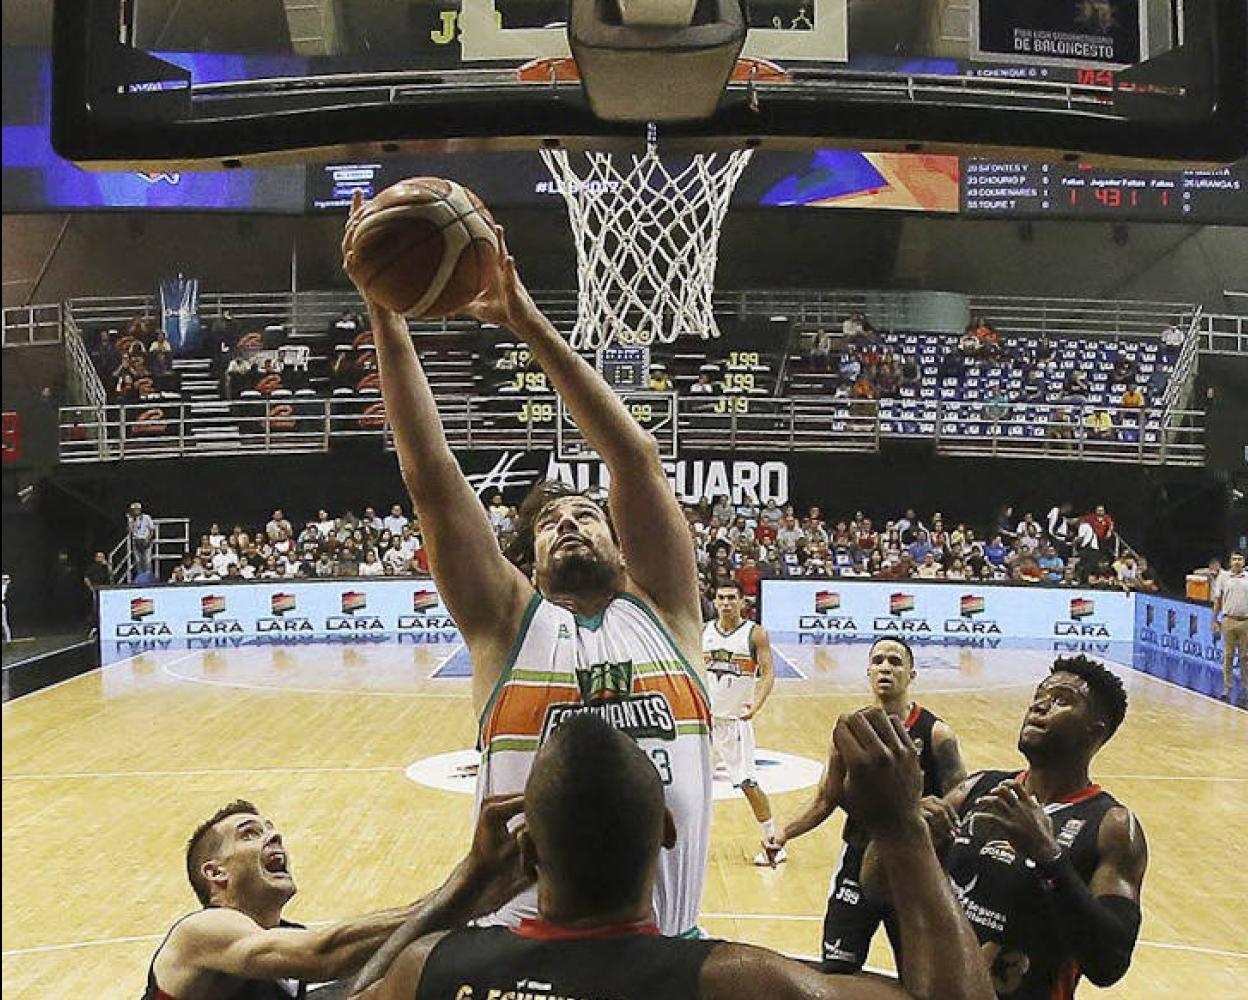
{"x":625,"y":667}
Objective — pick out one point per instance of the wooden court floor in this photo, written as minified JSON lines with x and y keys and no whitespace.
{"x":104,"y":777}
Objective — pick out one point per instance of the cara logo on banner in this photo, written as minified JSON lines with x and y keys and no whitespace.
{"x":1089,"y":33}
{"x":817,"y":613}
{"x":281,"y":620}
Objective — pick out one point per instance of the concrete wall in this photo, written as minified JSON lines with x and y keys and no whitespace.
{"x":128,"y":253}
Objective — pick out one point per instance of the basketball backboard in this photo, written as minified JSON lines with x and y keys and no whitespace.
{"x":150,"y":84}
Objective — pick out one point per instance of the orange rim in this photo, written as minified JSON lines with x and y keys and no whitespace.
{"x":563,"y":69}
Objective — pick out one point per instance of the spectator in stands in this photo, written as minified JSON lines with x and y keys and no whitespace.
{"x":1100,"y":425}
{"x":324,"y":524}
{"x":888,"y":378}
{"x":1102,"y":522}
{"x":1059,"y":427}
{"x":748,"y":576}
{"x":929,"y":568}
{"x":1172,"y":338}
{"x":497,"y":513}
{"x":372,"y":564}
{"x":106,"y":356}
{"x":238,"y":373}
{"x":862,"y":393}
{"x":278,"y":526}
{"x":1044,"y":349}
{"x":1145,"y":579}
{"x":1076,"y":388}
{"x":660,"y":380}
{"x":854,"y":328}
{"x":850,"y":368}
{"x":921,"y":547}
{"x":1126,"y":570}
{"x":396,"y":521}
{"x":372,"y":521}
{"x":160,"y":356}
{"x":344,"y":327}
{"x":703,"y":386}
{"x":1052,"y":564}
{"x":995,"y":551}
{"x":1027,"y":570}
{"x":1132,"y":398}
{"x":1211,"y":570}
{"x":997,"y":408}
{"x":141,"y":532}
{"x":820,"y":350}
{"x":956,"y":570}
{"x":96,"y":575}
{"x":988,"y":341}
{"x":909,"y":373}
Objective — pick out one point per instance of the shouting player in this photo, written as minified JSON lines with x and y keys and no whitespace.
{"x":853,"y":915}
{"x":607,"y":619}
{"x":238,"y":946}
{"x":740,"y":675}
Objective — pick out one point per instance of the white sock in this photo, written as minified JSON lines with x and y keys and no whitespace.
{"x":769,"y":828}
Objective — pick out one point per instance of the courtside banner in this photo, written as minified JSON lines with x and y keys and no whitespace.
{"x":820,"y":610}
{"x":1087,"y":33}
{"x":275,"y":610}
{"x":1175,"y":641}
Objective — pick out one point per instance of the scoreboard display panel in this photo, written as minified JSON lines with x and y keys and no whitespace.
{"x":625,"y":368}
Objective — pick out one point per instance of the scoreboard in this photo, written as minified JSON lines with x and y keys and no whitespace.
{"x":625,"y":368}
{"x":1018,"y":189}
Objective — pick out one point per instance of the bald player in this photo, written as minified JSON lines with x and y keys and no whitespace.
{"x":596,"y":826}
{"x":852,"y":916}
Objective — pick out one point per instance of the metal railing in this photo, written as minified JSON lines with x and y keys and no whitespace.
{"x":1080,"y":317}
{"x":313,"y":311}
{"x":171,"y":541}
{"x":82,"y":380}
{"x":1179,"y":386}
{"x":1220,"y":333}
{"x":1155,"y":436}
{"x":22,"y":326}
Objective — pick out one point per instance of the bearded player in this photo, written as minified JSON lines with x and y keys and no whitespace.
{"x":608,"y":618}
{"x":740,"y":676}
{"x":854,"y":914}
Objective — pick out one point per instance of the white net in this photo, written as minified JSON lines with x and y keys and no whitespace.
{"x":647,"y":242}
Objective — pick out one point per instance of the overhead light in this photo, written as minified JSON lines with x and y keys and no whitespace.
{"x":779,"y":319}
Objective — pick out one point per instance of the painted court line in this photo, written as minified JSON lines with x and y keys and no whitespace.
{"x":792,"y":666}
{"x":445,"y":662}
{"x":88,"y":673}
{"x":208,"y":772}
{"x":271,"y":689}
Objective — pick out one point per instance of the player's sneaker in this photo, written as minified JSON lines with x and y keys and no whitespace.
{"x":769,"y":857}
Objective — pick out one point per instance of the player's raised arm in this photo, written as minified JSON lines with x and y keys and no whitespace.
{"x":486,"y":595}
{"x":652,"y":530}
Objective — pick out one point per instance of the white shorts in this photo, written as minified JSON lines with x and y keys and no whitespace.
{"x":732,"y":744}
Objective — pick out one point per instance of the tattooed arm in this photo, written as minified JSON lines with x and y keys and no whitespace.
{"x":950,"y":771}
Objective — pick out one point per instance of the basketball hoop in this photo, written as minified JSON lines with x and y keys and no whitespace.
{"x":646,"y":232}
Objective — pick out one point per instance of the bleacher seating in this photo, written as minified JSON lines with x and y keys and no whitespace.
{"x":967,"y":393}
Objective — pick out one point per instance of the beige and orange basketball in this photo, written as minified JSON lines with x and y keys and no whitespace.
{"x":424,"y":247}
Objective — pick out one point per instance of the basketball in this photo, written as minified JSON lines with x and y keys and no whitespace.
{"x":424,"y":247}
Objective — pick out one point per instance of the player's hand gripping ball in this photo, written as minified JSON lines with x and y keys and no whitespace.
{"x":425,"y":247}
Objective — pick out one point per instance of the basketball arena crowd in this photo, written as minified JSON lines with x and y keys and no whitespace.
{"x":746,"y":542}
